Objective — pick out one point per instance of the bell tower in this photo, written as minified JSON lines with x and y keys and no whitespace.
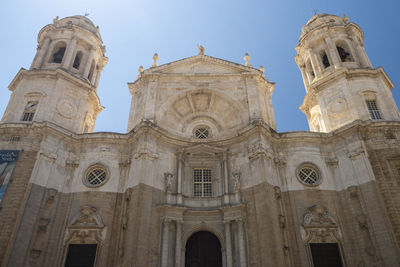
{"x":60,"y":86}
{"x":341,"y":84}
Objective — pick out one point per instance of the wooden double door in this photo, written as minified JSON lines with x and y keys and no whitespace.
{"x":203,"y":250}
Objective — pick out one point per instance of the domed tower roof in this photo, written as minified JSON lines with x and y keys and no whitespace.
{"x":323,"y":19}
{"x":80,"y":21}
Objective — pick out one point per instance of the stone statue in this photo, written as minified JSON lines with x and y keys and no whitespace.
{"x":346,"y":19}
{"x":201,"y":49}
{"x":140,"y":70}
{"x":246,"y":59}
{"x":236,"y":177}
{"x":168,"y":181}
{"x":55,"y":21}
{"x":155,"y":58}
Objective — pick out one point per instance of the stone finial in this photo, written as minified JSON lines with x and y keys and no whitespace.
{"x":262,"y":69}
{"x":201,"y":49}
{"x":140,"y":70}
{"x":247,"y":58}
{"x":155,"y":58}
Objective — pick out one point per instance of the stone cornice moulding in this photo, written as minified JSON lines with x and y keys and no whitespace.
{"x":157,"y":71}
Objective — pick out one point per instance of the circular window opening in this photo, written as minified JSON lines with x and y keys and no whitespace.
{"x":309,"y":175}
{"x":95,"y":176}
{"x":201,"y":133}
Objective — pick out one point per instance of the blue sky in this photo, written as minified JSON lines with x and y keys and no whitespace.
{"x":134,"y":30}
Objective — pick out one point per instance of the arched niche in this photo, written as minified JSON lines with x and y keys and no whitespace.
{"x":184,"y":111}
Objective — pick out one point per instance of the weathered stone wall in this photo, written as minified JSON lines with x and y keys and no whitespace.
{"x":13,"y":199}
{"x":384,"y":154}
{"x":131,"y":232}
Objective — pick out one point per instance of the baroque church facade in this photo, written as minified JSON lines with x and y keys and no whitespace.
{"x":202,"y":177}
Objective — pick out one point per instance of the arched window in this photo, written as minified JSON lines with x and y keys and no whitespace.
{"x":325,"y":59}
{"x":58,"y":53}
{"x":344,"y":52}
{"x":77,"y":60}
{"x":310,"y":70}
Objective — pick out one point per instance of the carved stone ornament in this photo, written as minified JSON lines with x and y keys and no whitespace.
{"x":86,"y":228}
{"x":258,"y":150}
{"x":338,"y":107}
{"x":146,"y":152}
{"x":66,"y":108}
{"x":320,"y":226}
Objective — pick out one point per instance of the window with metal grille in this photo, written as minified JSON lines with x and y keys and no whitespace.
{"x":95,"y":176}
{"x":202,"y":184}
{"x":309,"y":175}
{"x":373,"y":109}
{"x":29,"y":111}
{"x":201,"y":133}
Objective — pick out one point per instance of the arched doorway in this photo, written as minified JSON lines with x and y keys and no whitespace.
{"x":203,"y":250}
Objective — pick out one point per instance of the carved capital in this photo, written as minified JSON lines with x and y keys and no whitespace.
{"x":353,"y":155}
{"x":277,"y":191}
{"x":125,"y":163}
{"x":72,"y":163}
{"x":43,"y":222}
{"x":353,"y":191}
{"x":332,"y":162}
{"x":51,"y":194}
{"x":280,"y":162}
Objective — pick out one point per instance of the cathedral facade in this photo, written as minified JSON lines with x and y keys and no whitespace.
{"x":202,"y":177}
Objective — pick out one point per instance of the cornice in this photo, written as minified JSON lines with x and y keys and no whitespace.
{"x":57,"y":73}
{"x":43,"y":128}
{"x":156,"y":72}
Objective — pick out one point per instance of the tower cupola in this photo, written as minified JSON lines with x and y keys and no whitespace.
{"x":341,"y":84}
{"x":61,"y":85}
{"x":73,"y":44}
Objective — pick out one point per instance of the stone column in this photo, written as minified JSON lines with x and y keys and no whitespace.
{"x":305,"y":77}
{"x":99,"y":70}
{"x":314,"y":63}
{"x":226,"y":179}
{"x":164,"y":247}
{"x":179,"y":184}
{"x":362,"y":55}
{"x":42,"y":53}
{"x":69,"y":53}
{"x":178,"y":246}
{"x":242,"y":247}
{"x":336,"y":62}
{"x":88,"y":63}
{"x":228,"y":243}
